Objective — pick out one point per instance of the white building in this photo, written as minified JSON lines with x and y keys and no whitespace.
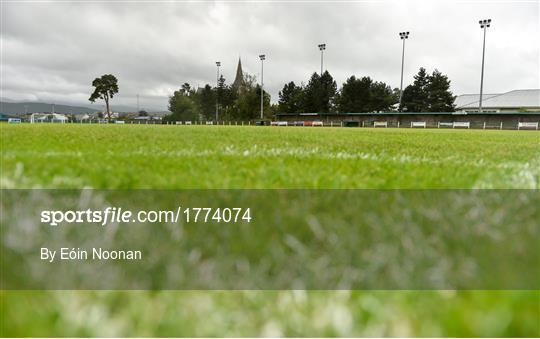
{"x":48,"y":117}
{"x":521,"y":100}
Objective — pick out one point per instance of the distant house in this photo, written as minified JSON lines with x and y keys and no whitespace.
{"x":521,"y":100}
{"x":84,"y":117}
{"x":6,"y":117}
{"x":144,"y":118}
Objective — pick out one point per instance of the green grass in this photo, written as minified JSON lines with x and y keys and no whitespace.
{"x":76,"y":156}
{"x":271,"y":313}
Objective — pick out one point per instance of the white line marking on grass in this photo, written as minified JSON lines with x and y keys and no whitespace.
{"x":496,"y":174}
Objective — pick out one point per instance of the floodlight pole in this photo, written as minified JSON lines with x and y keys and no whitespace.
{"x":322,"y":47}
{"x":484,"y":24}
{"x":262,"y":57}
{"x":322,"y":56}
{"x":218,"y":64}
{"x":404,"y":36}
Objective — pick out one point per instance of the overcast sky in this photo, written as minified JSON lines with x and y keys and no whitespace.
{"x":51,"y":51}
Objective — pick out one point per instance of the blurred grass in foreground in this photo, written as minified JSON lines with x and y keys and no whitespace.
{"x":270,"y":313}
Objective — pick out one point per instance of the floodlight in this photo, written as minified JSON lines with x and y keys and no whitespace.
{"x":484,"y":24}
{"x":403,"y":35}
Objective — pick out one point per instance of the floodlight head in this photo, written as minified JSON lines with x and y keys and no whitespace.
{"x":485,"y":23}
{"x":262,"y":57}
{"x":322,"y":47}
{"x":218,"y":63}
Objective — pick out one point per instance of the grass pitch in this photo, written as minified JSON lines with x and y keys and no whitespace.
{"x":110,"y":156}
{"x":165,"y":156}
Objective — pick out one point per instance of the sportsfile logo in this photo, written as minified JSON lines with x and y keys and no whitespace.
{"x":119,"y":215}
{"x":106,"y":216}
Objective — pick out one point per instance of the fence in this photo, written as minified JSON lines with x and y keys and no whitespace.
{"x":500,"y":125}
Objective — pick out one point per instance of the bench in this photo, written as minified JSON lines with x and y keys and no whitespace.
{"x":461,"y":124}
{"x":119,"y":122}
{"x":380,"y":124}
{"x":283,"y":123}
{"x":445,"y":124}
{"x":14,"y":121}
{"x":317,"y":124}
{"x":421,"y":124}
{"x":528,"y":125}
{"x":209,"y":122}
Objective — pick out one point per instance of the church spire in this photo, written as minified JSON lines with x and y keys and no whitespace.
{"x":239,"y":80}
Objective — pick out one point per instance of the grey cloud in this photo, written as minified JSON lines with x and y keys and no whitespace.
{"x":52,"y":51}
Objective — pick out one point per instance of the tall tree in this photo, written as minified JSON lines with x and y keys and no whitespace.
{"x":290,"y":98}
{"x":440,"y":97}
{"x":415,"y":97}
{"x":106,"y":87}
{"x":428,"y":93}
{"x":382,"y":97}
{"x":186,"y":89}
{"x":248,"y":104}
{"x":355,"y":95}
{"x":182,"y":107}
{"x":207,"y":102}
{"x":227,"y":95}
{"x":320,"y":94}
{"x":365,"y":95}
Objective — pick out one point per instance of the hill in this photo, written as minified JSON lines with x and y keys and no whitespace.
{"x":10,"y":107}
{"x":39,"y":107}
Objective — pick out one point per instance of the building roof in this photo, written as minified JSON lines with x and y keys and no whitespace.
{"x":525,"y":98}
{"x":405,"y":114}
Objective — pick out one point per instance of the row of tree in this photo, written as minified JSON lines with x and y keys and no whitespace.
{"x":428,"y":93}
{"x":232,"y":103}
{"x":321,"y":95}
